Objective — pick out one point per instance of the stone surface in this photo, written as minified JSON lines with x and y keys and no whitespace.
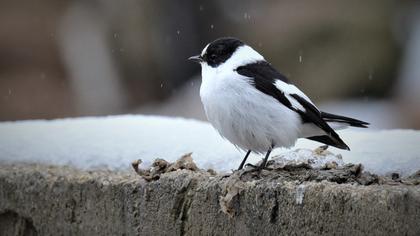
{"x":48,"y":200}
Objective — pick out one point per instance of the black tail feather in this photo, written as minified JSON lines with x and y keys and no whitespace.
{"x":328,"y":117}
{"x":332,"y":138}
{"x":325,"y":139}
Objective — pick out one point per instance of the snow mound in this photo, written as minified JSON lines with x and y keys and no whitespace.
{"x":317,"y":159}
{"x":114,"y":142}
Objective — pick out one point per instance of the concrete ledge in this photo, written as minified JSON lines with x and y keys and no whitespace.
{"x":48,"y":200}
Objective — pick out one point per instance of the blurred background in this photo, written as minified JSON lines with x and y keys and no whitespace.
{"x":102,"y":57}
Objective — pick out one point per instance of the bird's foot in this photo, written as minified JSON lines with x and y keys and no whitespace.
{"x":251,"y":165}
{"x":255,"y":169}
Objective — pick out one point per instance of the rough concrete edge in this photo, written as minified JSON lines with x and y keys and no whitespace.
{"x":186,"y":185}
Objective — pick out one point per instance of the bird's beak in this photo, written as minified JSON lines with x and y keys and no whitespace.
{"x":197,"y":59}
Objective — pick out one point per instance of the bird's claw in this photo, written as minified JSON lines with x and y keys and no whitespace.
{"x":254,"y":169}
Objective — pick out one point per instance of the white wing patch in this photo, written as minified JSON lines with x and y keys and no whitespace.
{"x":295,"y":104}
{"x":289,"y":89}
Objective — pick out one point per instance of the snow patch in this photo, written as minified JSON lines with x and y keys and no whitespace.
{"x":318,"y":158}
{"x":114,"y":142}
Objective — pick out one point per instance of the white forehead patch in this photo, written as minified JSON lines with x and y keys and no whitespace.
{"x":205,"y":49}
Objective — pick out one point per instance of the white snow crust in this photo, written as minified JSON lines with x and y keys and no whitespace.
{"x":114,"y":142}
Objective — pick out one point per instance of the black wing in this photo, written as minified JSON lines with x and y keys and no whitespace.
{"x":264,"y":77}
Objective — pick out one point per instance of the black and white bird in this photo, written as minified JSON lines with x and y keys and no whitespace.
{"x":257,"y":108}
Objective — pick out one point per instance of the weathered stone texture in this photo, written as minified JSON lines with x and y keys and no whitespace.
{"x":63,"y":201}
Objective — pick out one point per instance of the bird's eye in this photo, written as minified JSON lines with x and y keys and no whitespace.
{"x":213,"y":56}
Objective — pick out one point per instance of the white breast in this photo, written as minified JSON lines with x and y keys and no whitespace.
{"x":245,"y":116}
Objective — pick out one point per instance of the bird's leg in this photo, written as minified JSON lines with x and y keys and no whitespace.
{"x":264,"y":163}
{"x":244,"y":160}
{"x":258,"y":168}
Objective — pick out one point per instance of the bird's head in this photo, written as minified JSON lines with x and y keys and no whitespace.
{"x":226,"y":52}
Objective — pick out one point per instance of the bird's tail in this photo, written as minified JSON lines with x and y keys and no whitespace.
{"x":337,"y":122}
{"x":328,"y":117}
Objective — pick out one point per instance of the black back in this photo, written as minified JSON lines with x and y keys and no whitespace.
{"x":221,"y":50}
